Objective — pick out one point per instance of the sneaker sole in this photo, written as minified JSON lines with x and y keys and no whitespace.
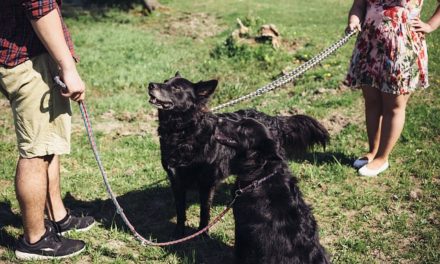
{"x":31,"y":256}
{"x":79,"y":230}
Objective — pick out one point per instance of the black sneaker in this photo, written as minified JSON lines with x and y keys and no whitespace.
{"x":71,"y":222}
{"x":50,"y":246}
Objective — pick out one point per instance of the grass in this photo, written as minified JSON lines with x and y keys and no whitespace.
{"x":390,"y":219}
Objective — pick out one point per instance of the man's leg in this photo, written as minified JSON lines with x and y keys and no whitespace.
{"x":31,"y":189}
{"x":54,"y":204}
{"x":42,"y":125}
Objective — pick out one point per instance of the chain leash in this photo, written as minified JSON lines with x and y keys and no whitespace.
{"x":290,"y":76}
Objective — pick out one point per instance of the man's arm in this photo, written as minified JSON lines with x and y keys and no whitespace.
{"x":49,"y":30}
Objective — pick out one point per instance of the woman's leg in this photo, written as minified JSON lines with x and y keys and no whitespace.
{"x":393,"y":120}
{"x":373,"y":117}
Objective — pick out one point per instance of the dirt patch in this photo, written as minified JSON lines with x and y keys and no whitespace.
{"x":336,"y":123}
{"x":125,"y":124}
{"x":380,"y":255}
{"x":194,"y":25}
{"x":4,"y":103}
{"x":292,"y":111}
{"x":118,"y":247}
{"x":291,"y":46}
{"x":3,"y":252}
{"x":6,"y":184}
{"x":131,"y":124}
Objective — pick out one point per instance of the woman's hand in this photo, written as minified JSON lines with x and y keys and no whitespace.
{"x":420,"y":26}
{"x":353,"y":24}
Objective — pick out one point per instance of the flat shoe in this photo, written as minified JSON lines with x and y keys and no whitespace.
{"x":360,"y":162}
{"x":365,"y":171}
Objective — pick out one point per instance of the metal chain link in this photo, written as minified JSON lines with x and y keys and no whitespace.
{"x":290,"y":76}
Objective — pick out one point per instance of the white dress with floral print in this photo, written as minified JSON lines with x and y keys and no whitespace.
{"x":388,"y":54}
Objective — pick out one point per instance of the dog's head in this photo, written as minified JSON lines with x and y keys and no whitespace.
{"x":247,"y":135}
{"x":180,"y":94}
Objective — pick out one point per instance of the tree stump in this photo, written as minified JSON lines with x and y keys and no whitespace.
{"x":151,"y":5}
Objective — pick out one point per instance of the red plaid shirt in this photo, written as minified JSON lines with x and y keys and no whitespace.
{"x":18,"y":40}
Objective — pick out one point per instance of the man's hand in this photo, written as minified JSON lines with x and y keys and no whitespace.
{"x":75,"y":85}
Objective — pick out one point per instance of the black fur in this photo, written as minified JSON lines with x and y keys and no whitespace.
{"x":191,"y":155}
{"x":273,"y":224}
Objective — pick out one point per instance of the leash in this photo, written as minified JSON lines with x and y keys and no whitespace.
{"x":290,"y":76}
{"x":253,"y":185}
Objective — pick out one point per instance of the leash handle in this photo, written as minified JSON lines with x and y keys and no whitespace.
{"x":60,"y":83}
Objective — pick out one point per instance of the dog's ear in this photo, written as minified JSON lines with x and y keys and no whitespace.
{"x":177,"y":74}
{"x":270,"y":149}
{"x":205,"y":89}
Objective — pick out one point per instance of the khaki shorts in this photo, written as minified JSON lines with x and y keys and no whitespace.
{"x":41,"y":115}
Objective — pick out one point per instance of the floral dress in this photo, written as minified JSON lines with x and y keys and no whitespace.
{"x":388,"y":54}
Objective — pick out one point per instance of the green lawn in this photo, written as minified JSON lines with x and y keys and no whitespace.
{"x":393,"y":218}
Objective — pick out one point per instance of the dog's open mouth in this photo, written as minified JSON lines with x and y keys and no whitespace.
{"x":224,"y":140}
{"x":165,"y":105}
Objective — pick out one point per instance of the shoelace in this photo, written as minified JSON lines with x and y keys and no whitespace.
{"x":53,"y":235}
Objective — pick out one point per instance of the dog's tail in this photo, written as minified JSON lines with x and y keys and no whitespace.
{"x":301,"y":133}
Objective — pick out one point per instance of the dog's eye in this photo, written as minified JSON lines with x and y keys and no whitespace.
{"x":175,"y":88}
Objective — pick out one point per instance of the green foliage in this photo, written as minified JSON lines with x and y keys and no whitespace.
{"x":243,"y":52}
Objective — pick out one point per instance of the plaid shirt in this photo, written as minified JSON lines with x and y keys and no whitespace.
{"x":18,"y":40}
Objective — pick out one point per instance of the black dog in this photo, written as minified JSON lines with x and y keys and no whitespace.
{"x":190,"y":154}
{"x":273,"y":224}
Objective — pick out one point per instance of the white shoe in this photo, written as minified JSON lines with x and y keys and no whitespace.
{"x":365,"y":171}
{"x":360,"y":162}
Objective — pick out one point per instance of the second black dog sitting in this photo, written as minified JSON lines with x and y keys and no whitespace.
{"x":273,"y":224}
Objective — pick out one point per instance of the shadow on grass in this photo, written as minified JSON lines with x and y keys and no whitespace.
{"x":8,"y":218}
{"x":150,"y":211}
{"x":121,"y":4}
{"x":97,"y":8}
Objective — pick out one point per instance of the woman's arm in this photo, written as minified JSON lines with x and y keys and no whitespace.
{"x":432,"y":24}
{"x":356,"y":15}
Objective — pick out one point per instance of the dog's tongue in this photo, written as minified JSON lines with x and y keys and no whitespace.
{"x":220,"y":136}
